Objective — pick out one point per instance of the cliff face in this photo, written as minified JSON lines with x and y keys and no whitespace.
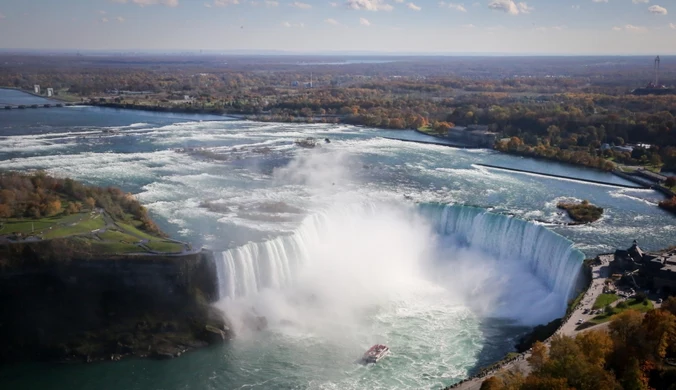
{"x":53,"y":307}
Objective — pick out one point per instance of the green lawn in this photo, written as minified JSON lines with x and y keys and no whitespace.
{"x":135,"y":231}
{"x":632,"y":304}
{"x":83,"y":227}
{"x":165,"y":246}
{"x":113,"y":235}
{"x":122,"y":239}
{"x":26,"y":227}
{"x":604,"y":300}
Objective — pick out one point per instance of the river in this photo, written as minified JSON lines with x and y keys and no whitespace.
{"x":336,"y":245}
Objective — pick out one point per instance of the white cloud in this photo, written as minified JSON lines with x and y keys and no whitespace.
{"x":454,"y":6}
{"x":640,"y":1}
{"x":102,"y":12}
{"x":120,"y":19}
{"x":332,"y":22}
{"x":632,"y":28}
{"x":576,"y":7}
{"x":289,"y":25}
{"x":657,"y":10}
{"x":207,"y":5}
{"x":671,"y":26}
{"x":617,"y":28}
{"x":333,"y":4}
{"x":364,"y":22}
{"x":225,"y":3}
{"x":298,"y":4}
{"x":555,"y":28}
{"x":599,"y":1}
{"x":399,"y":1}
{"x":104,"y":20}
{"x":413,"y":7}
{"x":510,"y":7}
{"x":368,"y":5}
{"x":143,"y":3}
{"x":468,"y":26}
{"x":524,"y":8}
{"x":271,"y":3}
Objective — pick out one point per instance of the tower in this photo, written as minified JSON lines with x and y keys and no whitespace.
{"x":657,"y":71}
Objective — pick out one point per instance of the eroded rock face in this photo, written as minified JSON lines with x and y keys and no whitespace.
{"x":105,"y":308}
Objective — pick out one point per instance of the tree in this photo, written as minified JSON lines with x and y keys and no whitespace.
{"x":659,"y":330}
{"x":90,"y":202}
{"x":633,"y":378}
{"x":596,"y":346}
{"x":624,"y":326}
{"x":53,"y":207}
{"x":492,"y":383}
{"x":655,"y":160}
{"x":670,"y":305}
{"x":539,"y":356}
{"x":670,"y":182}
{"x":538,"y":383}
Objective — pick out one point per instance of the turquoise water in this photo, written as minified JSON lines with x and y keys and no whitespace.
{"x":265,"y":188}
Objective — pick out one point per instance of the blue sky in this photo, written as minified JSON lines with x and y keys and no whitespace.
{"x":458,"y":26}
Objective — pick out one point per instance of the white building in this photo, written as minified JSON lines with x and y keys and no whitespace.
{"x":50,"y":92}
{"x":36,"y":89}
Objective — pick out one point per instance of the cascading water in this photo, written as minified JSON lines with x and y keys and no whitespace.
{"x":550,"y":256}
{"x":275,"y":264}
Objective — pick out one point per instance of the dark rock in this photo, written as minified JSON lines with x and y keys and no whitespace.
{"x":213,"y":335}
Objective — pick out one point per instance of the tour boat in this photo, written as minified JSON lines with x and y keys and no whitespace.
{"x":375,"y":353}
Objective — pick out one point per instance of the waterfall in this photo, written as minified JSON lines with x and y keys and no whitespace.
{"x":550,"y":256}
{"x":248,"y":269}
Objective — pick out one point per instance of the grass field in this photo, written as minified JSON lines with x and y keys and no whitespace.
{"x":165,"y":246}
{"x":129,"y":228}
{"x":120,"y":238}
{"x":631,"y":305}
{"x":83,"y":227}
{"x":604,"y":300}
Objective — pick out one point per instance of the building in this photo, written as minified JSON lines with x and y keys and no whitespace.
{"x":657,"y":271}
{"x":36,"y":89}
{"x":478,"y":135}
{"x":50,"y":92}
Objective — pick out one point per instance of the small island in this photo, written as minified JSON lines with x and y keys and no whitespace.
{"x":86,"y":275}
{"x":669,"y":204}
{"x":583,"y":212}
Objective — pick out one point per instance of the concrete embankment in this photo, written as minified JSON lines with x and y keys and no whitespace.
{"x":440,"y":143}
{"x":561,"y":176}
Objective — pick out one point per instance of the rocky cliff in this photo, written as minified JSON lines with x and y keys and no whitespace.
{"x":55,"y":306}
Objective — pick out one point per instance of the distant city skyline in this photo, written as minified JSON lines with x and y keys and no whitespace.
{"x":548,"y":27}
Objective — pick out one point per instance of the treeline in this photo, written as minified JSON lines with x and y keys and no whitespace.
{"x":38,"y":195}
{"x":636,"y":353}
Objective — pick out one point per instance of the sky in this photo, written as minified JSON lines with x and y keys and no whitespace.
{"x":547,"y":27}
